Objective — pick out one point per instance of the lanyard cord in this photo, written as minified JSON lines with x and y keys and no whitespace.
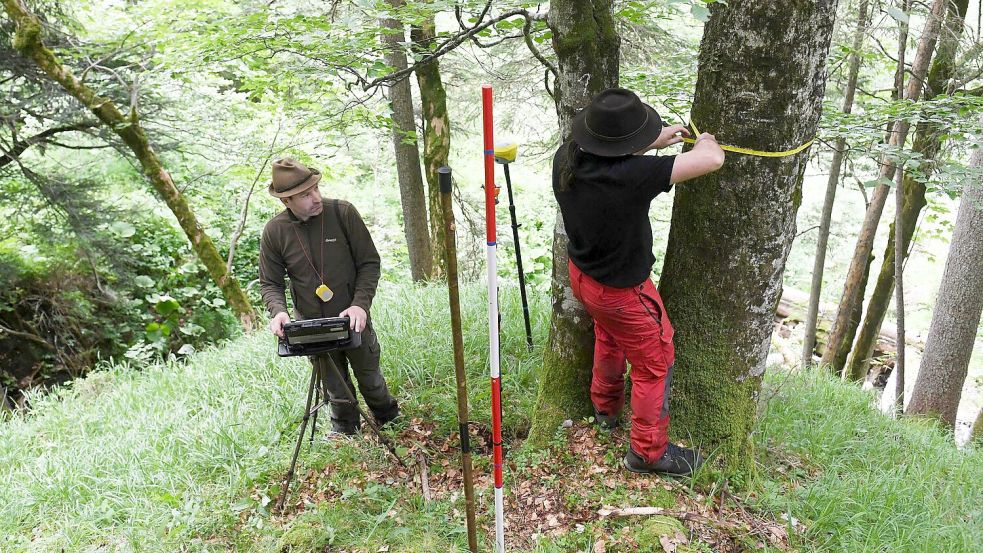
{"x":303,"y":249}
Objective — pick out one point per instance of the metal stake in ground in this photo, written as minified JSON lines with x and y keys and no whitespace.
{"x":450,"y":246}
{"x":308,"y":412}
{"x":493,"y":347}
{"x":505,"y":153}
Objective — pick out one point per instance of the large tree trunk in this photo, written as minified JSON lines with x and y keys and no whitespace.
{"x":28,"y":42}
{"x":853,"y":288}
{"x":928,"y":144}
{"x":819,"y":264}
{"x":411,"y":192}
{"x":956,"y":317}
{"x":760,"y":84}
{"x":436,"y":135}
{"x":587,"y":48}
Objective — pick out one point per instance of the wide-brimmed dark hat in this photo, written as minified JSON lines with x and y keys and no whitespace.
{"x":291,"y":177}
{"x":616,"y":123}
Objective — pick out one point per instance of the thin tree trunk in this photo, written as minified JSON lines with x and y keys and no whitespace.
{"x":28,"y":42}
{"x":843,"y":347}
{"x":853,"y":288}
{"x":411,"y":191}
{"x":436,"y":136}
{"x":587,"y":47}
{"x":956,"y":317}
{"x":809,"y":343}
{"x":899,"y":362}
{"x":732,"y":230}
{"x":977,"y":433}
{"x":844,"y":344}
{"x":928,"y":144}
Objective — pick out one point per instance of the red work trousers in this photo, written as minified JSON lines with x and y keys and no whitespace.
{"x":630,"y":324}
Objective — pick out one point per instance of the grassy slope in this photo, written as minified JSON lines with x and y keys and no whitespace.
{"x":186,"y":456}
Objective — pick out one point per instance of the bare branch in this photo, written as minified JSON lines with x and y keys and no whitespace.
{"x":448,"y":45}
{"x":6,"y":158}
{"x":27,"y":336}
{"x":245,"y":205}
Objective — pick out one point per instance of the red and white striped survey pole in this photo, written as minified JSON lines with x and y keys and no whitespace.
{"x":496,"y":381}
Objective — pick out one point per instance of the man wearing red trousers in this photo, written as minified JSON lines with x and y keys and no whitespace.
{"x":605,"y":186}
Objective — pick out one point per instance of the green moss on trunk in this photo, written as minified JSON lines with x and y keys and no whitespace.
{"x":436,"y":138}
{"x":586,"y":43}
{"x":732,"y":230}
{"x":28,"y":42}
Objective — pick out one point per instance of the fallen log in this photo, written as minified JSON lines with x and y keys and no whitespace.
{"x":792,"y":310}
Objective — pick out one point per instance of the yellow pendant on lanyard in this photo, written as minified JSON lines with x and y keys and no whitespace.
{"x":324,"y":293}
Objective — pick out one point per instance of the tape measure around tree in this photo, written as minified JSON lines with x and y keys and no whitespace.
{"x":749,"y":151}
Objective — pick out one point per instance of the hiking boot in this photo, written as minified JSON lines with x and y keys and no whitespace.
{"x":383,"y":418}
{"x":605,"y":421}
{"x":676,"y":460}
{"x":348,"y":428}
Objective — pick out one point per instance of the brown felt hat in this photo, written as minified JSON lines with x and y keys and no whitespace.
{"x":291,"y":177}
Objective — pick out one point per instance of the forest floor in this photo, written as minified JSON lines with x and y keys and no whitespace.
{"x":189,"y":455}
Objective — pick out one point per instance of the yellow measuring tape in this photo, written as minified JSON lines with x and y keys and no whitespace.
{"x":749,"y":151}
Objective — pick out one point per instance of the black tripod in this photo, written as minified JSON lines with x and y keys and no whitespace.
{"x":323,"y":398}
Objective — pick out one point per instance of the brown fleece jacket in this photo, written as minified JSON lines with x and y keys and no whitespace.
{"x":350,"y":267}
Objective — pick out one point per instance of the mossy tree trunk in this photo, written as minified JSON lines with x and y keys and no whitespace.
{"x":845,"y":344}
{"x":436,"y":136}
{"x":928,"y":144}
{"x":587,"y":48}
{"x":28,"y":42}
{"x":956,"y":316}
{"x":411,"y":191}
{"x":760,"y":84}
{"x":853,"y":289}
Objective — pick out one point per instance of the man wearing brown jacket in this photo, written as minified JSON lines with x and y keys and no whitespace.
{"x":325,"y":249}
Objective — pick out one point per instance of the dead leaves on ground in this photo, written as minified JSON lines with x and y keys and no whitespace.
{"x":566,"y":491}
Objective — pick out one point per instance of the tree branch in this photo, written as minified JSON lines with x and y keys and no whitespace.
{"x":454,"y":42}
{"x":19,"y":147}
{"x":245,"y":206}
{"x":27,"y":336}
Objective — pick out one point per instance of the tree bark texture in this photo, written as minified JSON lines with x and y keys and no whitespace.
{"x":587,"y":48}
{"x":760,"y":84}
{"x":855,"y":284}
{"x":28,"y":42}
{"x":436,"y":137}
{"x":927,"y":144}
{"x":956,"y":317}
{"x":812,"y":316}
{"x":411,"y":191}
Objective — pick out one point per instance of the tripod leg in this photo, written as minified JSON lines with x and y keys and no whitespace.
{"x":371,"y":422}
{"x":300,"y":440}
{"x":317,"y":401}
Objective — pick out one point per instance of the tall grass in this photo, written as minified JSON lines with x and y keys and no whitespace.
{"x":185,"y":456}
{"x":155,"y":459}
{"x":880,"y":484}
